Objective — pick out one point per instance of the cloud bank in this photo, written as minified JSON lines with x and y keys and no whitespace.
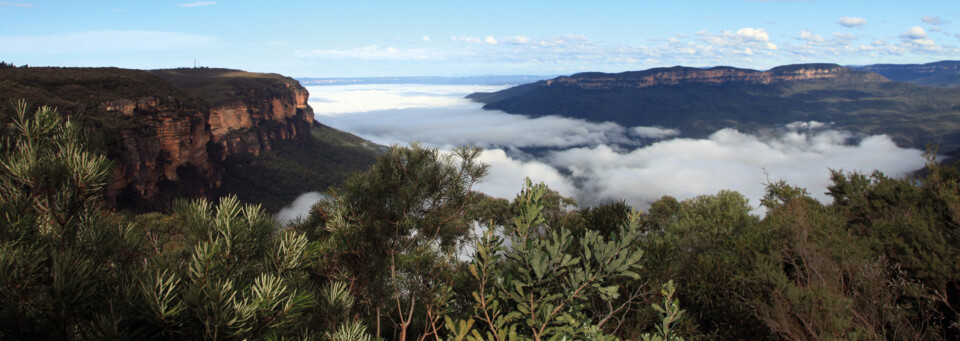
{"x":300,"y":207}
{"x":729,"y":159}
{"x":596,"y":162}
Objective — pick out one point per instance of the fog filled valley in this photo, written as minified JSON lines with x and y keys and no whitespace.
{"x":597,"y":163}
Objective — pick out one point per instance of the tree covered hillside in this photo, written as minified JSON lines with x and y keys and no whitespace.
{"x":697,"y":104}
{"x":392,"y":255}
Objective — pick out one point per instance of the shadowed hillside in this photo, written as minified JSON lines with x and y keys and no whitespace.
{"x":699,"y":102}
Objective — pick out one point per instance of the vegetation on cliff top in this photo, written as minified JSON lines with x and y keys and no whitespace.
{"x":217,"y":86}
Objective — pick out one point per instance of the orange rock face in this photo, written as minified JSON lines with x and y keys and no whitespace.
{"x":172,"y":137}
{"x":251,"y":126}
{"x":169,"y":136}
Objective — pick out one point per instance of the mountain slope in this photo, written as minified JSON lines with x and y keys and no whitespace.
{"x":699,"y":102}
{"x":941,"y":74}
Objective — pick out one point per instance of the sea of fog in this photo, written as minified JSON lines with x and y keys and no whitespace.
{"x":600,"y":162}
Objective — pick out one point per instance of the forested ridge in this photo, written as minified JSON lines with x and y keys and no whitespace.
{"x":407,"y":251}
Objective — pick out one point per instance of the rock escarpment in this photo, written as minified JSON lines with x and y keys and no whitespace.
{"x":168,"y":131}
{"x":250,"y":125}
{"x":168,"y":138}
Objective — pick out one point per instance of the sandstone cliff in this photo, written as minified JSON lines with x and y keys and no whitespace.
{"x":168,"y":137}
{"x":168,"y":131}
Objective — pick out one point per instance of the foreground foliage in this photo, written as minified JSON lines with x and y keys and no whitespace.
{"x":406,"y":250}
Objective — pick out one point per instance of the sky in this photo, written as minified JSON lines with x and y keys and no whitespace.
{"x":366,"y":38}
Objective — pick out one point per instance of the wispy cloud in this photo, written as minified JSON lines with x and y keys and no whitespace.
{"x":14,"y":4}
{"x":931,"y":20}
{"x":198,"y":4}
{"x":754,"y":47}
{"x":851,"y":21}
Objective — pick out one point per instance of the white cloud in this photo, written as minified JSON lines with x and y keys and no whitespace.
{"x":507,"y":175}
{"x":426,"y":38}
{"x":851,"y":21}
{"x":810,"y":37}
{"x":754,"y":34}
{"x":728,"y":159}
{"x":14,"y":4}
{"x":653,"y":132}
{"x":104,"y":41}
{"x":490,"y":40}
{"x":931,"y":20}
{"x":198,"y":4}
{"x":915,"y":32}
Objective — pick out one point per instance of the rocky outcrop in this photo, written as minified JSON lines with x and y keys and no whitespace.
{"x":169,"y":135}
{"x":168,"y":131}
{"x":718,"y":75}
{"x":174,"y":138}
{"x":251,"y":125}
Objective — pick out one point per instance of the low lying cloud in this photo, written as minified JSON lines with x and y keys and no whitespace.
{"x":428,"y":114}
{"x":683,"y":168}
{"x":596,"y":162}
{"x":300,"y":207}
{"x":653,"y":132}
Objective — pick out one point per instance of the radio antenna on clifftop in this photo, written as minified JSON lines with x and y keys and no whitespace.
{"x":194,"y":63}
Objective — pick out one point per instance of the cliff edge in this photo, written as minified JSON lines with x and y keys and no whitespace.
{"x":168,"y":131}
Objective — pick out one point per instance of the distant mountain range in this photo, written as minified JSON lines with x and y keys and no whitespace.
{"x":943,"y":74}
{"x":699,"y":101}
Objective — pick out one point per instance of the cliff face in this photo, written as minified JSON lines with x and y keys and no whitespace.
{"x":250,"y":126}
{"x":168,"y":131}
{"x":169,"y":136}
{"x":717,"y":75}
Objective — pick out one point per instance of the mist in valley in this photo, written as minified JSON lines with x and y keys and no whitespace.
{"x":601,"y":162}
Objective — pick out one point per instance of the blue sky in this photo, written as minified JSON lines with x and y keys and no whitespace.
{"x":473,"y":37}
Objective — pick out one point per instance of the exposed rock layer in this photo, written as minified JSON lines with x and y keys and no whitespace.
{"x":168,"y":131}
{"x":718,"y":75}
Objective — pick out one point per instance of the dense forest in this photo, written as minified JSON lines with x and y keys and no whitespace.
{"x":407,"y":251}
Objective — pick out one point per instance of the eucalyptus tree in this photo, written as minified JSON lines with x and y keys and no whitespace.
{"x":390,"y":232}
